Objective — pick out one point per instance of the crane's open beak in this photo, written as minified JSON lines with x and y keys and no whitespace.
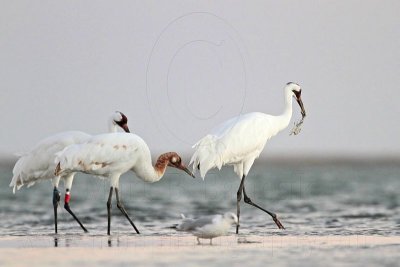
{"x":126,"y":128}
{"x":183,"y":168}
{"x":300,"y":102}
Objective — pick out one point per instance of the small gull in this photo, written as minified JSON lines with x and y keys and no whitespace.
{"x":208,"y":227}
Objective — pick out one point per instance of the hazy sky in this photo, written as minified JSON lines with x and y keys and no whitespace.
{"x":179,"y":68}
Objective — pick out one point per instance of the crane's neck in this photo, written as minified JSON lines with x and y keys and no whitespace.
{"x":284,"y":118}
{"x":149,"y":173}
{"x":112,"y":126}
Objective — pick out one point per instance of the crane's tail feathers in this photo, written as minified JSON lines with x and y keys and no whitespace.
{"x":16,"y":183}
{"x":208,"y":155}
{"x":18,"y":176}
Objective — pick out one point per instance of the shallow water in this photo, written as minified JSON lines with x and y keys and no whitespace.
{"x":311,"y":199}
{"x":319,"y":199}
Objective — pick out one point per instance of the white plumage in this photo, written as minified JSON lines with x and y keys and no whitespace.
{"x":240,"y":140}
{"x":208,"y":227}
{"x":111,"y":155}
{"x":39,"y":163}
{"x":108,"y":155}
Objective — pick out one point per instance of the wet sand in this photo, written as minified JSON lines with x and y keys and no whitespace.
{"x":183,"y":250}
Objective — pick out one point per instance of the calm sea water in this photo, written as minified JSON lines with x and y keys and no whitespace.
{"x":310,"y":199}
{"x":326,"y":200}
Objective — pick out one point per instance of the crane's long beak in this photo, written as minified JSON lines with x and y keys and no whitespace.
{"x":183,"y":168}
{"x":126,"y":128}
{"x":300,"y":102}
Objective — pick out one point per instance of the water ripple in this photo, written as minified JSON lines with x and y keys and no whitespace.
{"x":309,"y":199}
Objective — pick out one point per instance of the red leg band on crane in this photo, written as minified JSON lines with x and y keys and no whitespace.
{"x":67,"y":198}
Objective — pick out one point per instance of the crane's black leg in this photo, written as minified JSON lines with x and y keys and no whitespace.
{"x":109,"y":210}
{"x":56,"y":200}
{"x":66,"y":206}
{"x":238,"y":198}
{"x":273,"y":215}
{"x":122,"y":209}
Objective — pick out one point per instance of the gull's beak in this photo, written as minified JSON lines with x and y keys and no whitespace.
{"x":126,"y":128}
{"x":183,"y":168}
{"x":300,"y":102}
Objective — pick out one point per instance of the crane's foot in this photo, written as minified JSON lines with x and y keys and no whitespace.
{"x":278,"y":223}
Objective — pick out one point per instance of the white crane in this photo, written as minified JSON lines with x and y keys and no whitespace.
{"x":38,"y":164}
{"x":240,"y":140}
{"x":111,"y":155}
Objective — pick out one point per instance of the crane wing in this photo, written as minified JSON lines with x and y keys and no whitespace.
{"x":101,"y":155}
{"x":237,"y":140}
